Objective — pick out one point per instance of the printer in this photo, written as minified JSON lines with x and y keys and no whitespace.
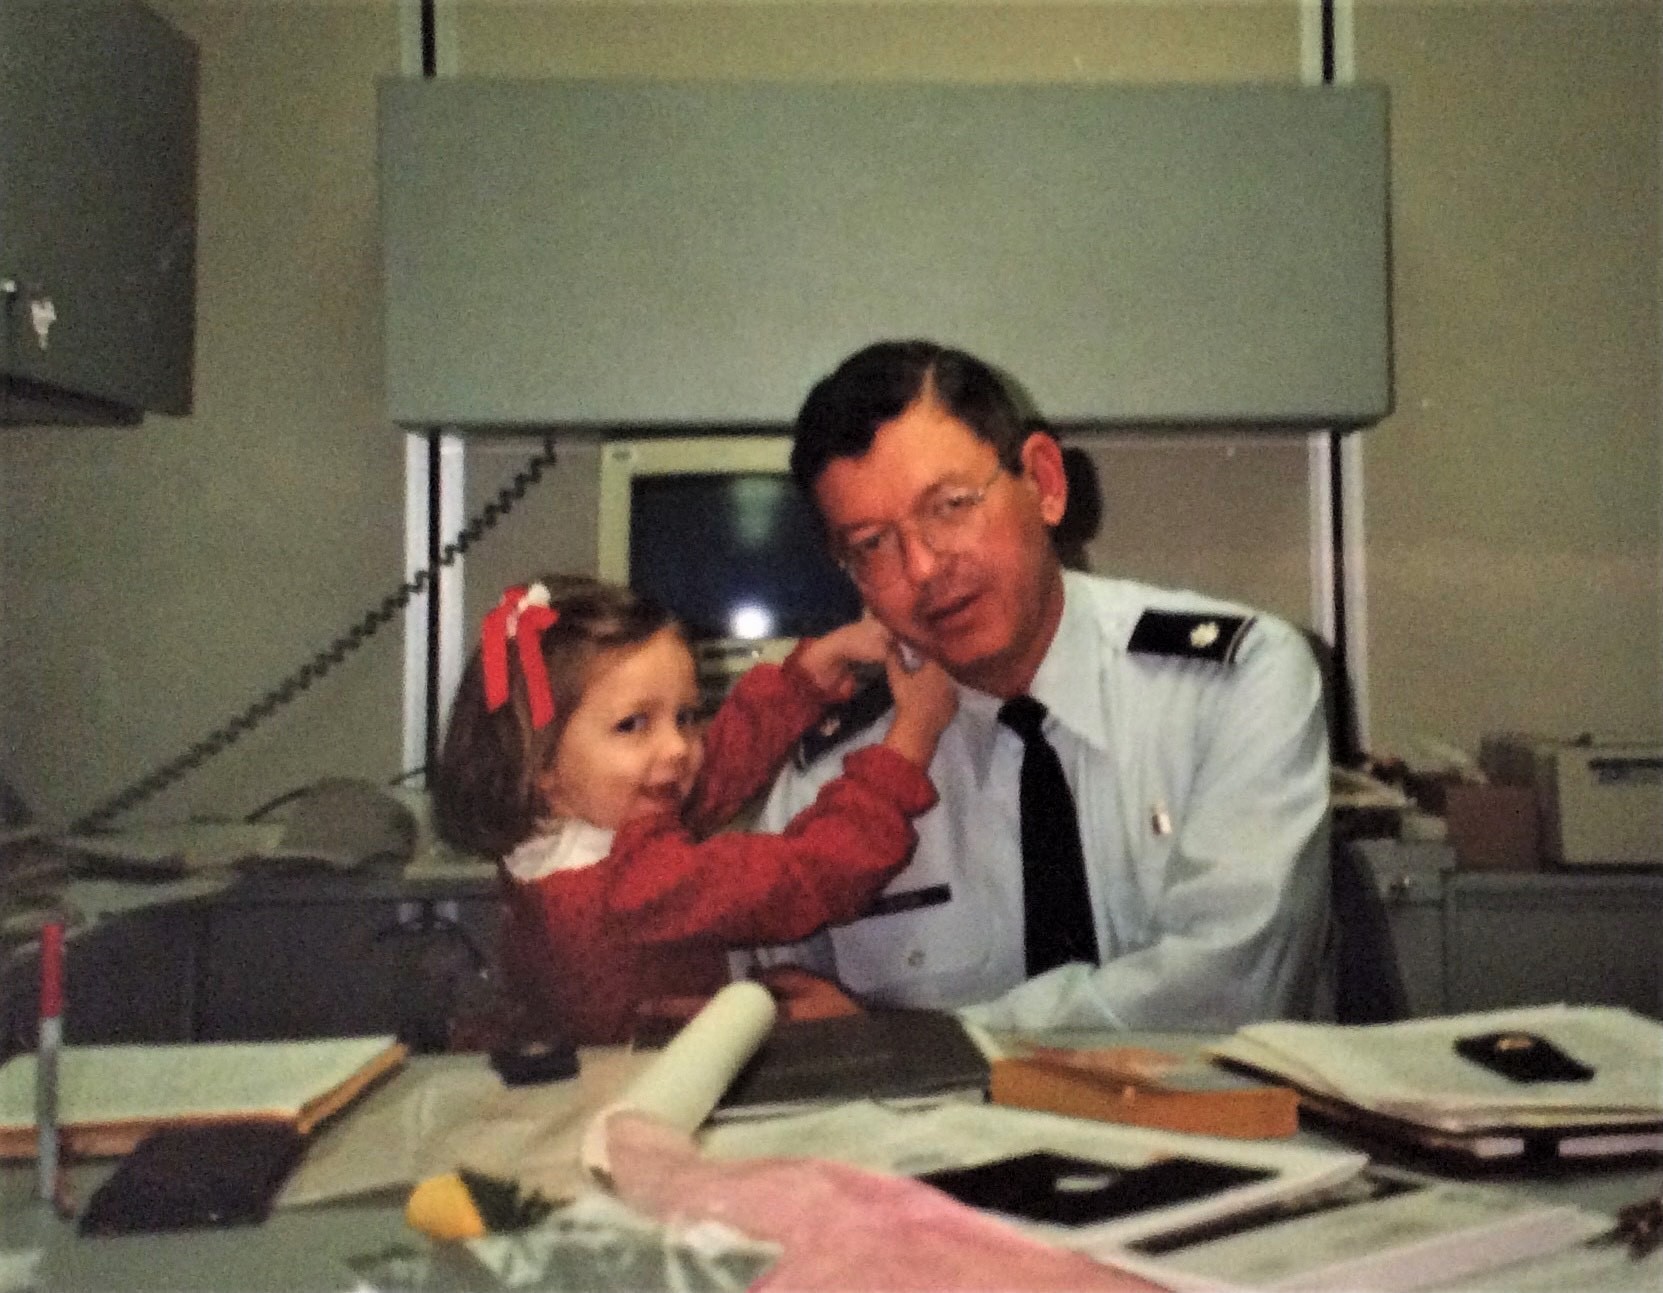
{"x":1600,"y":804}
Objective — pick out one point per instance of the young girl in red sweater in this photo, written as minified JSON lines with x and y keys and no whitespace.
{"x":575,"y":755}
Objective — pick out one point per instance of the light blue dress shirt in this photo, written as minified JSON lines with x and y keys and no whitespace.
{"x":1202,"y":789}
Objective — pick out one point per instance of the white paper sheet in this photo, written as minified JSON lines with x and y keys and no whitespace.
{"x":915,"y":1141}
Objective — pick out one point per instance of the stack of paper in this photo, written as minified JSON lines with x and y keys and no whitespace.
{"x":1412,"y":1082}
{"x":1379,"y":1230}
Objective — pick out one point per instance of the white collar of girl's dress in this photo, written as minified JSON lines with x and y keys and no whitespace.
{"x":564,"y":845}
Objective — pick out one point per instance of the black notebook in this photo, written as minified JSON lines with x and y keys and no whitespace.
{"x":907,"y":1055}
{"x":206,"y":1174}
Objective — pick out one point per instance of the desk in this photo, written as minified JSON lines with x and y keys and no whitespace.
{"x":308,"y":1248}
{"x":301,"y":1249}
{"x":262,"y":951}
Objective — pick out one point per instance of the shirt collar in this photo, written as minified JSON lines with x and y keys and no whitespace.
{"x":1068,"y":683}
{"x":566,"y":845}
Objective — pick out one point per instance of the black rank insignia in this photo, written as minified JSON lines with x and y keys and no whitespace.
{"x":839,"y":723}
{"x":1190,"y":636}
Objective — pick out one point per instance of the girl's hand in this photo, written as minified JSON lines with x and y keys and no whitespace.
{"x":833,"y":661}
{"x":925,"y":702}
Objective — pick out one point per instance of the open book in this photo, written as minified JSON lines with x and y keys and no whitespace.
{"x":1460,"y":1084}
{"x":110,"y":1097}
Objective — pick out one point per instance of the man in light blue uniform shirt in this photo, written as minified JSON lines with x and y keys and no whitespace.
{"x":1191,"y":731}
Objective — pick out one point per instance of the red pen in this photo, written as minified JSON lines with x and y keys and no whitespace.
{"x":49,"y":1041}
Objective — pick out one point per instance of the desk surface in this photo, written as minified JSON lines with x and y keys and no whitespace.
{"x":311,"y":1247}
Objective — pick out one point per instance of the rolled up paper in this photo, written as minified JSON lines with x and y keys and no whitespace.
{"x":682,"y":1085}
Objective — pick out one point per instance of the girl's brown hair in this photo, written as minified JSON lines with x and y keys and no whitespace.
{"x":485,"y":797}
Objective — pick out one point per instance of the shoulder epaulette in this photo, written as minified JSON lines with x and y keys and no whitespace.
{"x":1190,"y":636}
{"x":852,"y":717}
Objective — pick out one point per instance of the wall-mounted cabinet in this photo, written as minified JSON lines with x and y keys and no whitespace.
{"x":596,"y":254}
{"x":97,"y":212}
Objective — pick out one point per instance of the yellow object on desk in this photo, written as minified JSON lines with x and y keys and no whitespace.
{"x":468,"y":1205}
{"x":442,"y":1208}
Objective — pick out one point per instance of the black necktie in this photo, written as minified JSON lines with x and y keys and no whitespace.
{"x":1057,"y":921}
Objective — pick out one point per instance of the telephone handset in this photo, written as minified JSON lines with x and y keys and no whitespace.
{"x":325,"y":660}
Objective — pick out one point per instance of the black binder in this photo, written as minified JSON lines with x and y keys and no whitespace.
{"x":891,"y":1055}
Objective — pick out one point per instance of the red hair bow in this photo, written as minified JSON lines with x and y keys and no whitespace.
{"x":521,"y":616}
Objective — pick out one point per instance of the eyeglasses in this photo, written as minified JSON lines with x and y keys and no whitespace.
{"x":950,"y":520}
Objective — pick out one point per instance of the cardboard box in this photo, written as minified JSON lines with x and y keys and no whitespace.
{"x":1493,"y":827}
{"x":1599,"y":804}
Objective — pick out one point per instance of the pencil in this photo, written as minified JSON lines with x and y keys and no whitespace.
{"x":48,"y":1042}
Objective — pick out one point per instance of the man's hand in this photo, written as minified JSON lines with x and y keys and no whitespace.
{"x":802,"y":995}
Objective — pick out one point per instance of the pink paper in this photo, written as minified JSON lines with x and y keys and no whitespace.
{"x":844,"y":1229}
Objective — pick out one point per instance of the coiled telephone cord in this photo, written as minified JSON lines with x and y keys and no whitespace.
{"x":324,"y":661}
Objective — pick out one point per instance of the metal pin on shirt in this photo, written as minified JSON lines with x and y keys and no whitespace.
{"x":1160,"y":821}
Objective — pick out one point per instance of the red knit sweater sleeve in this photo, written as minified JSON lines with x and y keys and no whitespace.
{"x":750,"y":736}
{"x":827,"y":865}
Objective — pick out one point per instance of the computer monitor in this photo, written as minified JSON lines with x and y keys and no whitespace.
{"x":714,"y":527}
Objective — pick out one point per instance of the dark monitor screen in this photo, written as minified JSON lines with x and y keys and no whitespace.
{"x":735,"y":555}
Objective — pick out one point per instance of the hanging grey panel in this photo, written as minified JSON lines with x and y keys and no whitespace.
{"x":595,"y":254}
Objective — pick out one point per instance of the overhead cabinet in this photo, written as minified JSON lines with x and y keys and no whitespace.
{"x":97,"y":212}
{"x":589,"y":253}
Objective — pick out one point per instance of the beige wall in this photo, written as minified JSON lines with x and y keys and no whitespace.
{"x":972,"y":40}
{"x":1513,"y":500}
{"x":157,"y":579}
{"x":1227,"y":516}
{"x":154,"y":580}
